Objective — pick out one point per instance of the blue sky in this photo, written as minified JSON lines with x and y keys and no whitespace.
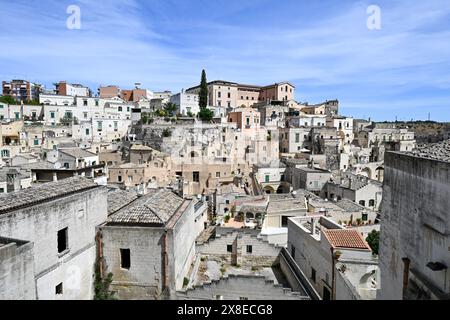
{"x":323,"y":47}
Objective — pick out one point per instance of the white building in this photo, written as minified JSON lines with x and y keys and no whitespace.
{"x":320,"y":246}
{"x":59,"y":219}
{"x":186,"y":102}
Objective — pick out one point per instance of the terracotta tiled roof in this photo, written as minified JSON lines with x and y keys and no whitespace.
{"x":346,"y":238}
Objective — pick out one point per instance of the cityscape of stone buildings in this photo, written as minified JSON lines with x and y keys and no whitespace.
{"x":272,"y":199}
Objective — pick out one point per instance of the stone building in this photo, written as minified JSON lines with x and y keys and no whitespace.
{"x":357,"y":188}
{"x":318,"y":245}
{"x":148,"y":243}
{"x":59,"y":220}
{"x":237,"y":264}
{"x":415,"y":225}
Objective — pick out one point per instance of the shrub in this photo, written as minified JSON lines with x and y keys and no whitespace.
{"x":185,"y":282}
{"x":373,"y":239}
{"x":166,"y":133}
{"x":226,"y":218}
{"x":206,"y":114}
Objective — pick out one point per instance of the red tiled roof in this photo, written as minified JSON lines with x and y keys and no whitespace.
{"x":345,"y":238}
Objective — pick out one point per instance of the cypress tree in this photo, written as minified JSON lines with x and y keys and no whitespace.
{"x":203,"y":94}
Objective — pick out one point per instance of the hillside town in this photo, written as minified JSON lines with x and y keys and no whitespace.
{"x":221,"y":191}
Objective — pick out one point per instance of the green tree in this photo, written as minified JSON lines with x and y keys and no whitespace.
{"x":101,"y":287}
{"x":8,"y":100}
{"x":166,"y":133}
{"x":160,"y":113}
{"x":203,"y":94}
{"x":373,"y":239}
{"x":205,"y":114}
{"x":144,"y":118}
{"x":34,"y":102}
{"x":170,"y":108}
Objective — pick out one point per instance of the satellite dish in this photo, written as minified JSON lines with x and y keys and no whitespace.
{"x":57,"y":165}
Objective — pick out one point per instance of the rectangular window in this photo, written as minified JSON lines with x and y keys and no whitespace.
{"x":297,"y":137}
{"x":87,"y":132}
{"x":249,"y":249}
{"x":364,"y":217}
{"x":99,"y":125}
{"x":17,"y":115}
{"x":284,"y":221}
{"x":229,"y":248}
{"x":85,"y":103}
{"x":196,"y":176}
{"x":125,"y":261}
{"x":217,"y":174}
{"x":313,"y":275}
{"x":116,"y":126}
{"x":267,"y":178}
{"x":59,"y":289}
{"x":62,"y":240}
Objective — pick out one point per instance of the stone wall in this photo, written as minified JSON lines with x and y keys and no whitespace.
{"x":16,"y":270}
{"x":143,"y":280}
{"x":415,"y":222}
{"x":235,"y":287}
{"x":263,"y":253}
{"x":185,"y":232}
{"x":80,"y":213}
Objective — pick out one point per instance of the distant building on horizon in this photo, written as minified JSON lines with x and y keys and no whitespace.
{"x":232,"y":95}
{"x":21,"y":90}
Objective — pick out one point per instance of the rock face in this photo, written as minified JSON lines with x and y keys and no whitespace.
{"x":436,"y":151}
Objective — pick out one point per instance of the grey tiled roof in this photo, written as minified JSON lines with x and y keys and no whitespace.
{"x":43,"y":193}
{"x":118,"y":198}
{"x":156,"y":207}
{"x":77,"y":153}
{"x":350,"y":206}
{"x":435,"y":151}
